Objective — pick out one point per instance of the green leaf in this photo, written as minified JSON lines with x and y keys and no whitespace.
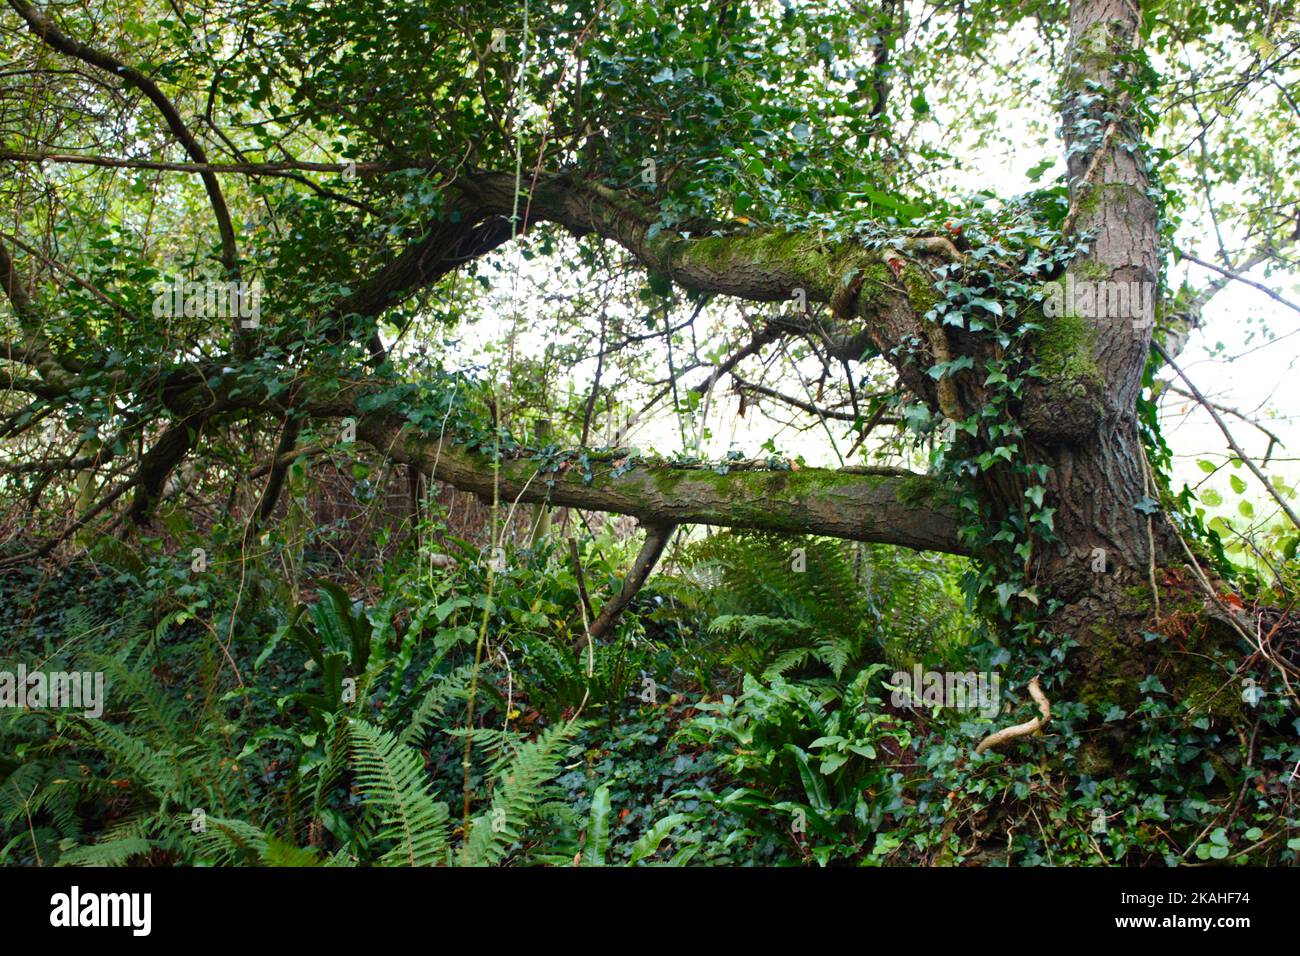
{"x":597,"y":842}
{"x":1035,"y":172}
{"x":832,"y":762}
{"x":649,"y":842}
{"x":813,"y":785}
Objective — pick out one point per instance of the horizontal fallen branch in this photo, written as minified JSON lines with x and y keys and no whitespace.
{"x":914,"y":511}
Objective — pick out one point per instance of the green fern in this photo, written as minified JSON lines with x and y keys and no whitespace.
{"x":157,"y":771}
{"x":107,"y":852}
{"x":118,"y":844}
{"x":787,"y":604}
{"x":331,"y":769}
{"x":392,"y":778}
{"x":225,"y":841}
{"x":434,"y":703}
{"x":517,"y":796}
{"x":280,"y":853}
{"x":50,"y":786}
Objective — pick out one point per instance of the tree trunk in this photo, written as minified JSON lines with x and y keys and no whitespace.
{"x":1116,"y":554}
{"x":1097,"y":357}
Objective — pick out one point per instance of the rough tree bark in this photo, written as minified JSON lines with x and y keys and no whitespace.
{"x":1088,"y":427}
{"x":1114,"y":560}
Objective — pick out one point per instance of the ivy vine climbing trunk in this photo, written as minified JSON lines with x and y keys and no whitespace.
{"x":1108,"y":564}
{"x":1095,"y":348}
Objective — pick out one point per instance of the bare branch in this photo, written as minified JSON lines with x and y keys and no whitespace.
{"x":283,"y":168}
{"x":1238,"y":277}
{"x":1273,"y":439}
{"x":742,"y":386}
{"x":656,"y":539}
{"x":1232,"y":442}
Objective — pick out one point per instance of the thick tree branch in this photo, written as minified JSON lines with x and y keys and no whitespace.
{"x":36,"y":351}
{"x":760,"y":265}
{"x":877,"y":296}
{"x":444,"y":247}
{"x":912,"y":511}
{"x":157,"y":463}
{"x":279,"y":468}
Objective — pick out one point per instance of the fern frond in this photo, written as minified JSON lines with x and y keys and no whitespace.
{"x":224,"y":841}
{"x":757,"y":625}
{"x":393,"y":780}
{"x":787,"y":661}
{"x":49,"y":785}
{"x":835,"y":651}
{"x":518,"y":795}
{"x":279,"y":853}
{"x":336,"y":758}
{"x":145,"y":765}
{"x":106,"y":852}
{"x":434,"y":703}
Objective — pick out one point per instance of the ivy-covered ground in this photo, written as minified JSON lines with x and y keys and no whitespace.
{"x":740,"y":714}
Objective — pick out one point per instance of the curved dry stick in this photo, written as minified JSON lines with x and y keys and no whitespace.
{"x":1000,"y":737}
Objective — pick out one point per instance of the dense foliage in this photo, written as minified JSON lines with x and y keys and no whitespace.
{"x":321,"y":559}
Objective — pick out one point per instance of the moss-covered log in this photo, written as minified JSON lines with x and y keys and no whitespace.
{"x":913,"y":511}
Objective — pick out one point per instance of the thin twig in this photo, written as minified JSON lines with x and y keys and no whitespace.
{"x":1232,"y":442}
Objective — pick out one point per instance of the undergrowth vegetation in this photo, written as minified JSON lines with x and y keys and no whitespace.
{"x":441,"y":718}
{"x":743,"y":711}
{"x":343,"y":345}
